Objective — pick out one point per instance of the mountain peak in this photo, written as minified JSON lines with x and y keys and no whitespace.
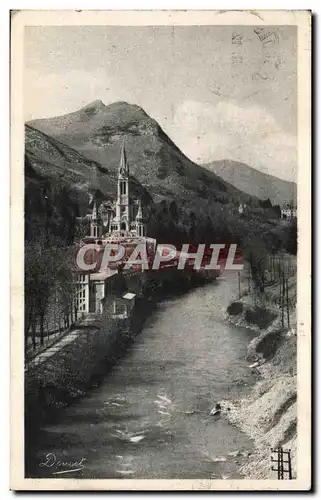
{"x":97,"y":103}
{"x":119,"y":110}
{"x":127,"y":107}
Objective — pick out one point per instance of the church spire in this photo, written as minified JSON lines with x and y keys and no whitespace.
{"x":139,"y":216}
{"x":140,"y":226}
{"x":95,"y":226}
{"x":94,"y":215}
{"x":123,"y":165}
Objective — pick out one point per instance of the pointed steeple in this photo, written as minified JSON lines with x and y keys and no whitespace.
{"x":139,"y":215}
{"x":123,"y":165}
{"x":140,"y":226}
{"x":94,"y":215}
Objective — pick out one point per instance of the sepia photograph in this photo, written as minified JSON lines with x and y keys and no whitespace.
{"x":161,"y":198}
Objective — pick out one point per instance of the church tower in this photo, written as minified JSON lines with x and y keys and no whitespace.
{"x":140,"y":226}
{"x":95,"y":226}
{"x":122,"y":218}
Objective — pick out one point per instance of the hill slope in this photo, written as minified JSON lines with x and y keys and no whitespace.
{"x":97,"y":131}
{"x":192,"y":203}
{"x":50,"y":158}
{"x":254,"y":182}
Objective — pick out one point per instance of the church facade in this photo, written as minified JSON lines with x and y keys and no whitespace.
{"x":122,"y":219}
{"x":119,"y":222}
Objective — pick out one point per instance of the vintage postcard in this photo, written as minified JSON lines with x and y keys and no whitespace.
{"x":160,"y":243}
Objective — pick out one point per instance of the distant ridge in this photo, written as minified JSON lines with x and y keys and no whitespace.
{"x":254,"y":182}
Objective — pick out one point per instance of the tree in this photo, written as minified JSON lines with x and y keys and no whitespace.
{"x":173,"y":210}
{"x":39,"y":281}
{"x":192,"y":227}
{"x":291,"y":241}
{"x":277,"y":210}
{"x":48,"y":274}
{"x":51,"y":208}
{"x":266,"y":203}
{"x":256,"y":254}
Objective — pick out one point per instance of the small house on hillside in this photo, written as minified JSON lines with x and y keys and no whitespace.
{"x":243,"y":209}
{"x":119,"y":307}
{"x":288,"y":211}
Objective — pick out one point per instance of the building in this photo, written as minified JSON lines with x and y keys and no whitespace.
{"x":288,"y":211}
{"x":122,"y":219}
{"x":242,"y":209}
{"x":82,"y":293}
{"x":120,"y":307}
{"x":95,"y":223}
{"x":120,"y":222}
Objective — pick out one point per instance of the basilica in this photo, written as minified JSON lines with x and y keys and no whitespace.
{"x":122,"y":219}
{"x":120,"y":222}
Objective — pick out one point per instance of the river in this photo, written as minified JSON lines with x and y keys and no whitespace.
{"x":150,"y":417}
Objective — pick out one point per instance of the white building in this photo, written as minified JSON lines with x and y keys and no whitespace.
{"x":124,"y":218}
{"x":288,"y":211}
{"x":82,"y":293}
{"x":242,"y":208}
{"x":121,"y":222}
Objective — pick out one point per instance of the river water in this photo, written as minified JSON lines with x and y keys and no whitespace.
{"x":150,"y":417}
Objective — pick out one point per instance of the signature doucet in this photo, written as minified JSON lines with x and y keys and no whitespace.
{"x":63,"y":466}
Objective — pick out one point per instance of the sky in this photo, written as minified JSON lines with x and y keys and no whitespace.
{"x":219,"y":92}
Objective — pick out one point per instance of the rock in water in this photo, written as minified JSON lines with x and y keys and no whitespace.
{"x":234,"y":453}
{"x":216,"y":410}
{"x":136,"y":439}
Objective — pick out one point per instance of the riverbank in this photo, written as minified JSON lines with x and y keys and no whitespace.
{"x":269,"y":413}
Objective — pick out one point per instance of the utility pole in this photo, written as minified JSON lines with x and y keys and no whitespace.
{"x":239,"y":283}
{"x":287,"y":301}
{"x":283,"y":458}
{"x":280,"y":287}
{"x":283,"y":297}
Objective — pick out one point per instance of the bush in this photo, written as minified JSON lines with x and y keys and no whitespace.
{"x":235,"y":308}
{"x":269,"y":344}
{"x":291,"y":242}
{"x":259,"y":316}
{"x":162,"y":173}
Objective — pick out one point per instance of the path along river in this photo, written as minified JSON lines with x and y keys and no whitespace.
{"x":150,"y":417}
